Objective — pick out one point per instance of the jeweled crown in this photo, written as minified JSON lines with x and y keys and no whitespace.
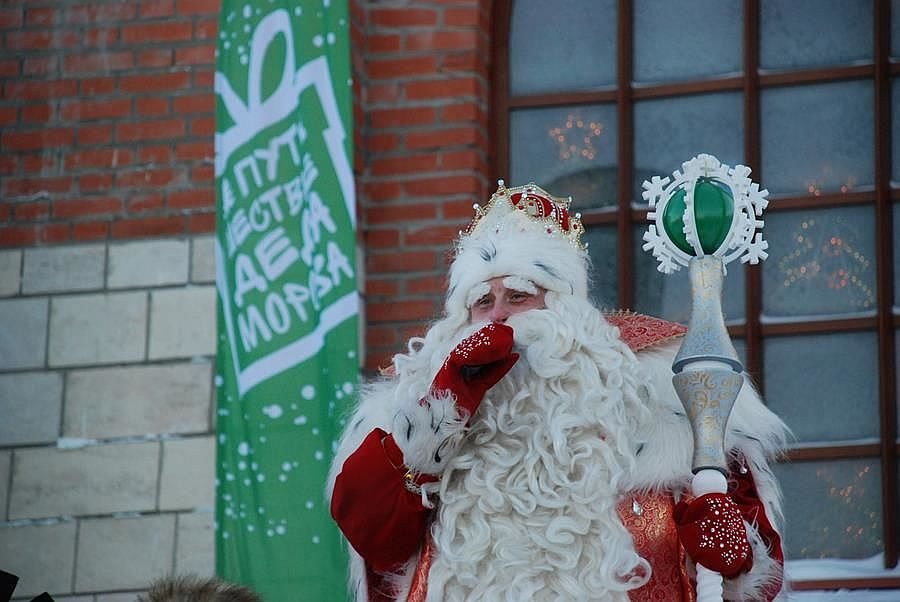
{"x":550,"y":212}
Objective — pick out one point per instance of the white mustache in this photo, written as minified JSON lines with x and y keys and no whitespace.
{"x":542,"y":341}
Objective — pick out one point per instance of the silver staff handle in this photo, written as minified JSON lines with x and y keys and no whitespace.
{"x":708,"y":377}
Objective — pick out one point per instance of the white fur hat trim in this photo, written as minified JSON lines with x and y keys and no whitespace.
{"x":507,"y":241}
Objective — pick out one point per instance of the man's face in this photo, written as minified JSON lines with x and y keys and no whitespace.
{"x":504,"y":296}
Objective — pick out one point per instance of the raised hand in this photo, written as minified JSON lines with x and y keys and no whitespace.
{"x":476,"y":365}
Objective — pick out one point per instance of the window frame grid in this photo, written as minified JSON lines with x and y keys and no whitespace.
{"x":882,"y":199}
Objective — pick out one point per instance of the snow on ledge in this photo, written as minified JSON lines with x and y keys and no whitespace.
{"x":845,"y":595}
{"x":836,"y":568}
{"x":839,"y":568}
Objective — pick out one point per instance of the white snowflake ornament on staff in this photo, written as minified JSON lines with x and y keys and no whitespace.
{"x":704,"y":217}
{"x":708,"y":208}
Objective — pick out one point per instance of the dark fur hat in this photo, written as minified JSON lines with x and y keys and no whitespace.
{"x":194,"y":589}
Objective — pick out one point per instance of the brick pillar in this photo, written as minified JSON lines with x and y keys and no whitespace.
{"x":423,"y":157}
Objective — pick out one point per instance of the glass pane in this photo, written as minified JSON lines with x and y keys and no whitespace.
{"x":569,"y":151}
{"x":669,"y":296}
{"x":820,"y":262}
{"x":832,"y":509}
{"x":814,"y":33}
{"x":818,"y":138}
{"x":562,"y":46}
{"x":601,"y":241}
{"x":895,"y":29}
{"x":825,"y":386}
{"x":669,"y":131}
{"x":895,"y":129}
{"x":686,"y":40}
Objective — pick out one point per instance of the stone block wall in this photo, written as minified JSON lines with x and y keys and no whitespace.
{"x":107,"y":456}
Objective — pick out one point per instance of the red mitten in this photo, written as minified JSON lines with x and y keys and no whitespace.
{"x":476,"y":365}
{"x":712,"y":532}
{"x":381,"y":518}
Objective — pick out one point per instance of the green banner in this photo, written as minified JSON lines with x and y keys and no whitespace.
{"x":287,"y":362}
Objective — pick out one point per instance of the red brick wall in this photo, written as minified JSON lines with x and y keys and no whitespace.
{"x":423,"y":160}
{"x":107,"y":118}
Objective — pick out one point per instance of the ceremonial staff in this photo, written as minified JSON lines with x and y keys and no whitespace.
{"x":704,"y":217}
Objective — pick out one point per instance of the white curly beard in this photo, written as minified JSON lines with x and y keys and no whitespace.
{"x":528,"y":506}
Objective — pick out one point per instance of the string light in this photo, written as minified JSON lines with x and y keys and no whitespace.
{"x":850,"y":499}
{"x":815,"y":189}
{"x":830,"y":259}
{"x":575,"y":138}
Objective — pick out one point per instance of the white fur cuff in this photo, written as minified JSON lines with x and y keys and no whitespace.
{"x":766,"y":571}
{"x":429,"y":433}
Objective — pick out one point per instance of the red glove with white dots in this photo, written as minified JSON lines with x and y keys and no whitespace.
{"x":475,"y":365}
{"x":712,"y":532}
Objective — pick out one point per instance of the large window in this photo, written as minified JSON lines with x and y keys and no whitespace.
{"x":591,"y":97}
